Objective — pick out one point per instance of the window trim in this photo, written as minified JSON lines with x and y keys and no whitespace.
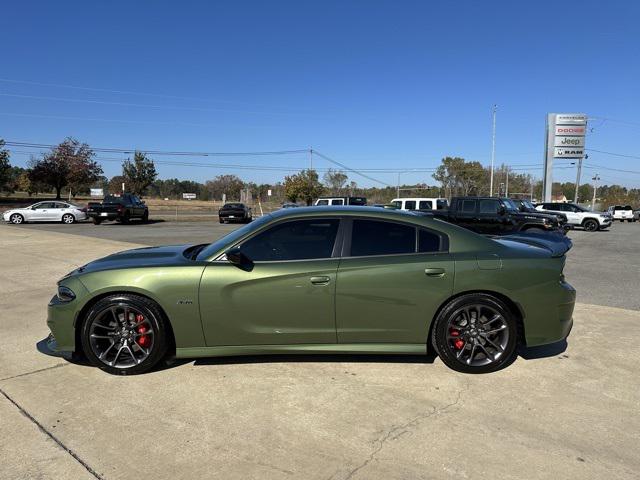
{"x":348,"y":233}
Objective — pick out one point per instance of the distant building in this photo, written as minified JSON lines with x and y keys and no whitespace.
{"x":560,"y":198}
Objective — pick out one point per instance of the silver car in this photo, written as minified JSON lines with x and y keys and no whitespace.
{"x":51,"y":211}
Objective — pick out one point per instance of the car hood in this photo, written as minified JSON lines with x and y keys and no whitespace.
{"x":171,"y":255}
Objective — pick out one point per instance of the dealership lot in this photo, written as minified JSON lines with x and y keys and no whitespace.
{"x":564,"y":411}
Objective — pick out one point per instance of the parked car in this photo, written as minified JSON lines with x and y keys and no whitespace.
{"x":389,"y":206}
{"x":235,"y":212}
{"x":320,"y":280}
{"x":421,"y":203}
{"x":50,"y":211}
{"x":290,"y":205}
{"x":622,"y":213}
{"x":341,"y":201}
{"x":527,"y":206}
{"x":121,"y":208}
{"x":496,"y":216}
{"x":578,"y":216}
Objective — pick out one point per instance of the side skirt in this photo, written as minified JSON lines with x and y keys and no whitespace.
{"x":348,"y":348}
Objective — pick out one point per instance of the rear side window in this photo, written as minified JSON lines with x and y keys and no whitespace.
{"x":425,"y":205}
{"x":469,"y":206}
{"x":296,"y":240}
{"x":322,"y":202}
{"x":410,"y":205}
{"x":374,"y":237}
{"x":338,"y":201}
{"x":428,"y":242}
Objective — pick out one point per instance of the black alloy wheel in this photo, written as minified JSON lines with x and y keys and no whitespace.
{"x":476,"y":333}
{"x":124,"y":334}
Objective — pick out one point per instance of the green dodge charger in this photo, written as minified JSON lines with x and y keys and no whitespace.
{"x":320,"y":280}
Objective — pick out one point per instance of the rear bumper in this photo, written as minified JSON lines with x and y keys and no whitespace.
{"x":554,"y":321}
{"x":103,"y":215}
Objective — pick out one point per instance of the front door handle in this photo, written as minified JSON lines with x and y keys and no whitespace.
{"x":434,"y":272}
{"x":321,"y":280}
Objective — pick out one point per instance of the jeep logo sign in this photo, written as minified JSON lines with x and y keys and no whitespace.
{"x":569,"y":142}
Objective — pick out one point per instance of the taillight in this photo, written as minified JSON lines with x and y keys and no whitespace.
{"x":120,"y":208}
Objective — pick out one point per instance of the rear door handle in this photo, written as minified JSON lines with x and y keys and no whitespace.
{"x":321,"y":280}
{"x":434,"y":272}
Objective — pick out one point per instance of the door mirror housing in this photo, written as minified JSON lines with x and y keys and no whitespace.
{"x":234,"y":255}
{"x":501,"y":210}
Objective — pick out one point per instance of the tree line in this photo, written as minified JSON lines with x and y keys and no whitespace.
{"x":71,"y":167}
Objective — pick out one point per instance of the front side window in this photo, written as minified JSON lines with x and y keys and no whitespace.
{"x":45,"y":205}
{"x":410,"y":205}
{"x":441,"y":204}
{"x":375,"y":237}
{"x":322,"y":202}
{"x":490,"y":207}
{"x":338,"y":201}
{"x":295,"y":240}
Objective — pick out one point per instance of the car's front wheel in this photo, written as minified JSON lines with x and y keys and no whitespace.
{"x":68,"y":218}
{"x":124,"y":334}
{"x":16,"y":219}
{"x":590,"y":225}
{"x":475,"y":333}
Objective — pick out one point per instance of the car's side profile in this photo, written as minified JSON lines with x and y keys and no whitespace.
{"x":578,"y":216}
{"x":320,"y":280}
{"x":49,"y":211}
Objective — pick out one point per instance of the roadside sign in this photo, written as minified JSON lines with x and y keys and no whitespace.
{"x":97,"y":192}
{"x":573,"y":130}
{"x":571,"y":119}
{"x":569,"y":142}
{"x":569,"y":152}
{"x":188,"y":196}
{"x":269,"y":193}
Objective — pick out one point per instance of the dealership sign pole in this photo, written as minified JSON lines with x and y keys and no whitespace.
{"x":564,"y":139}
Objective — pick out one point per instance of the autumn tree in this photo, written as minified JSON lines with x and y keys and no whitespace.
{"x":68,"y":164}
{"x":335,"y":180}
{"x":138,"y":173}
{"x":304,"y":185}
{"x":5,"y":167}
{"x":229,"y":185}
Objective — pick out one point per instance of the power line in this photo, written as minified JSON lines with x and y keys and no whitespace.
{"x":637,"y":157}
{"x":342,"y":165}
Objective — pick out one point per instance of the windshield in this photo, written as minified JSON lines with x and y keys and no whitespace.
{"x":230,"y":238}
{"x":528,"y":205}
{"x":509,"y":205}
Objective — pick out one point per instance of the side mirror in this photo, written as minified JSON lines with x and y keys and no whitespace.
{"x":502,"y":210}
{"x":234,"y":255}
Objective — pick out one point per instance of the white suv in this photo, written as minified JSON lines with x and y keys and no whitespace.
{"x":420,"y":203}
{"x":578,"y":216}
{"x":622,"y":213}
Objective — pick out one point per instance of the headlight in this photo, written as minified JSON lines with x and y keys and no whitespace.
{"x":65,"y":294}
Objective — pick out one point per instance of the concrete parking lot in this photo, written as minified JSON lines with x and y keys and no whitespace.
{"x":564,"y":411}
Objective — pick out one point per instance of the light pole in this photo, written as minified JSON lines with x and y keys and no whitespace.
{"x":595,"y":179}
{"x":493,"y":147}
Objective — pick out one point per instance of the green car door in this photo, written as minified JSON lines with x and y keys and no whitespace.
{"x":391,"y":281}
{"x":286,"y":293}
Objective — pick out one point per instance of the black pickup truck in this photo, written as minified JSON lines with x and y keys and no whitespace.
{"x":496,"y":216}
{"x":120,"y":208}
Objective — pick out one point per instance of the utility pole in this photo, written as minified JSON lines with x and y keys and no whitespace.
{"x":506,"y":193}
{"x":575,"y":200}
{"x":398,"y":187}
{"x":595,"y":179}
{"x":311,"y":158}
{"x":493,"y":147}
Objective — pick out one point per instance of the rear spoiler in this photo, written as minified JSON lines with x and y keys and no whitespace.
{"x":557,"y":244}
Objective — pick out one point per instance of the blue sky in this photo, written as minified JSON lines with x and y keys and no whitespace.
{"x":372,"y":84}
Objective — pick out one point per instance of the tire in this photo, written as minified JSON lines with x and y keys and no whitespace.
{"x":220,"y":220}
{"x":125,"y":218}
{"x":97,"y":221}
{"x":469,"y":348}
{"x":16,"y":219}
{"x":590,"y":225}
{"x":68,"y":218}
{"x":145,"y":216}
{"x":145,"y":320}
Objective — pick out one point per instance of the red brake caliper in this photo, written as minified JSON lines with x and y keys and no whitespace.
{"x":458,"y":343}
{"x":143,"y":340}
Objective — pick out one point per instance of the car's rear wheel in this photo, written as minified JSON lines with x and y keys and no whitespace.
{"x":124,"y":334}
{"x":97,"y":221}
{"x":68,"y":218}
{"x":590,"y":225}
{"x":476,"y":333}
{"x":145,"y":216}
{"x":16,"y":219}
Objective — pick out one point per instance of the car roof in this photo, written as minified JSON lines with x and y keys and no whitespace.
{"x":338,"y":210}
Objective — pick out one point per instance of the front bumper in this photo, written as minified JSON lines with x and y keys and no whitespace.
{"x":6,"y":216}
